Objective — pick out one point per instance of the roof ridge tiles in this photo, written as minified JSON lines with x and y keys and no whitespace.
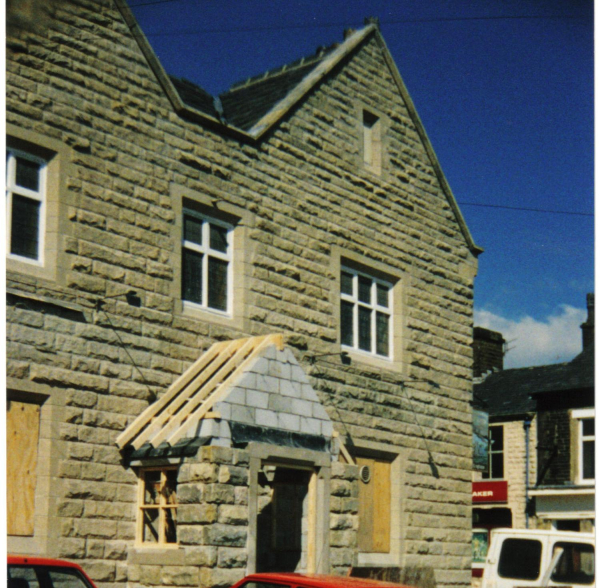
{"x":286,"y":68}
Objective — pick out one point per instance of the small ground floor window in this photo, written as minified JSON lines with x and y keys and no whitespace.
{"x":157,"y":516}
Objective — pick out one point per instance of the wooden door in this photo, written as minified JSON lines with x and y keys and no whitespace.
{"x":374,"y":501}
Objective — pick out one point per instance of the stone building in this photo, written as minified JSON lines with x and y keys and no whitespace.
{"x":542,"y":444}
{"x":239,"y":329}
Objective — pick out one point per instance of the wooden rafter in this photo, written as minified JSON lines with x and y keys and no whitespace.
{"x":157,"y":407}
{"x":196,"y":416}
{"x":343,"y":449}
{"x":192,"y":396}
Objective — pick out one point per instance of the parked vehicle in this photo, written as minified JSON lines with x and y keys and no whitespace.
{"x":524,"y":558}
{"x":41,"y":572}
{"x":293,"y":580}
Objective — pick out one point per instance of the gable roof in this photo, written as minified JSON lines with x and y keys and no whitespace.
{"x":246,"y":388}
{"x":258,"y":104}
{"x":514,"y":391}
{"x":246,"y":103}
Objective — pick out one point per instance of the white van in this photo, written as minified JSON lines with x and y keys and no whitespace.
{"x":519,"y":558}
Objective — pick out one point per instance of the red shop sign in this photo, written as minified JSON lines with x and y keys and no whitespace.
{"x":490,"y":491}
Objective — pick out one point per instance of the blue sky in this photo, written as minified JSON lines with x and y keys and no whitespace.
{"x":506,"y":100}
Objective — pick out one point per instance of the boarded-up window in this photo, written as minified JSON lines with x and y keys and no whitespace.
{"x":374,"y":500}
{"x":22,"y":434}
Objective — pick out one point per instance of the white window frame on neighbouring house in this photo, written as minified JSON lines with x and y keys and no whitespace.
{"x":353,"y":299}
{"x":580,"y":416}
{"x":489,"y":475}
{"x":163,"y":507}
{"x":204,"y":249}
{"x":13,"y":190}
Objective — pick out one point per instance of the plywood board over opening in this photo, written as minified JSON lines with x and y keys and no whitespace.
{"x":374,"y":503}
{"x":22,"y":435}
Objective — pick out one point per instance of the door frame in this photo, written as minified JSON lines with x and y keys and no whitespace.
{"x":318,"y":489}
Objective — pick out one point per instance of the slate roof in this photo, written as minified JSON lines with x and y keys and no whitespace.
{"x":193,"y":395}
{"x":237,"y":391}
{"x":245,"y":103}
{"x":194,"y":96}
{"x":513,"y":392}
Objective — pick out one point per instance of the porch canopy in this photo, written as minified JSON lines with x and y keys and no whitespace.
{"x":244,"y":390}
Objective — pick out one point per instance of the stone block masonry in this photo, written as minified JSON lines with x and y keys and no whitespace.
{"x":81,"y":94}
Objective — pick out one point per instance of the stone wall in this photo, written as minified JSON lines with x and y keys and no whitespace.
{"x":344,"y":518}
{"x":82,"y":89}
{"x":213,"y":516}
{"x":514,"y":468}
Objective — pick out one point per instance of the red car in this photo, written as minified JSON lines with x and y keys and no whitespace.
{"x":41,"y":572}
{"x":290,"y":580}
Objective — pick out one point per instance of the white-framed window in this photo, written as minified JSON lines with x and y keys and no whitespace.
{"x":206,"y":268}
{"x":157,"y":507}
{"x":25,"y":206}
{"x":365,"y":313}
{"x":586,"y":444}
{"x":495,"y":470}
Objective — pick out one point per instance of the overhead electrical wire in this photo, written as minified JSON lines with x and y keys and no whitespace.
{"x":340,"y":24}
{"x":525,"y":209}
{"x":400,"y":21}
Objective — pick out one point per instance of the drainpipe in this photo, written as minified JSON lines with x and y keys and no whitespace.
{"x":526,"y":427}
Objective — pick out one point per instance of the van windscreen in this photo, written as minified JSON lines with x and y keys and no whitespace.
{"x":520,"y":559}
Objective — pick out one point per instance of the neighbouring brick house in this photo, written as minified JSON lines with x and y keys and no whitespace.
{"x":542,"y":443}
{"x":239,"y":330}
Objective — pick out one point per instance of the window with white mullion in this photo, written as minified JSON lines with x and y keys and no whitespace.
{"x":587,"y":453}
{"x":206,"y":271}
{"x":586,"y":441}
{"x":365,"y":313}
{"x":25,"y":205}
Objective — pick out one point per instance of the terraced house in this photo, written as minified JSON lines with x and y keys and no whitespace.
{"x":239,"y":329}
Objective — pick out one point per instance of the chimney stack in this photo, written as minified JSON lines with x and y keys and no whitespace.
{"x":587,"y":328}
{"x":488,"y":351}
